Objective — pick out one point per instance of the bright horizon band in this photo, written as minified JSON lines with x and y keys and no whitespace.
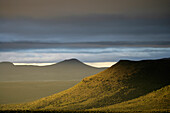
{"x":94,"y":64}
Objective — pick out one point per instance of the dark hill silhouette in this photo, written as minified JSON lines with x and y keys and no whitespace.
{"x":121,"y":82}
{"x":3,"y":64}
{"x":71,"y":69}
{"x":71,"y":62}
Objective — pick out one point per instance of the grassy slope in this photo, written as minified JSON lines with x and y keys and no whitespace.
{"x":156,"y":100}
{"x":122,"y":82}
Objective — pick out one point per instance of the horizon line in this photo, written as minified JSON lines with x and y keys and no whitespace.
{"x":94,"y":64}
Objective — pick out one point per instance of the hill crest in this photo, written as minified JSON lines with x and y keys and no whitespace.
{"x":6,"y":63}
{"x":121,"y":82}
{"x":73,"y":62}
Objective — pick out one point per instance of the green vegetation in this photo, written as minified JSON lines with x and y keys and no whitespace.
{"x":158,"y":100}
{"x":122,"y":82}
{"x":27,"y":91}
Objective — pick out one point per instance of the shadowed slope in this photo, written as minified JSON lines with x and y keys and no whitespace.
{"x":71,"y":62}
{"x":156,"y":100}
{"x":6,"y":64}
{"x":123,"y":81}
{"x":71,"y":69}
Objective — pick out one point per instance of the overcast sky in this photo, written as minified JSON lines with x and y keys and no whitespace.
{"x":48,"y":31}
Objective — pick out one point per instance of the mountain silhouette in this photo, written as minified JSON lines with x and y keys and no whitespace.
{"x":71,"y":69}
{"x":3,"y":64}
{"x":71,"y":62}
{"x":124,"y":81}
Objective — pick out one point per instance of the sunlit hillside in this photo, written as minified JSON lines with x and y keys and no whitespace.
{"x":123,"y":81}
{"x":158,"y":100}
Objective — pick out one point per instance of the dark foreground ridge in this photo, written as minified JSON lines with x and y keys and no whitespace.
{"x":122,"y":82}
{"x":77,"y":111}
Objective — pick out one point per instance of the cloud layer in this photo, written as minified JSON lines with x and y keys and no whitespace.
{"x":86,"y":55}
{"x":41,"y":31}
{"x":91,"y":28}
{"x":60,"y":8}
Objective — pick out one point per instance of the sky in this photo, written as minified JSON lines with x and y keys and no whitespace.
{"x":93,"y":31}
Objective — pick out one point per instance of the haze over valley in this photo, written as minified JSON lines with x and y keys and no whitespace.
{"x":85,"y":56}
{"x":16,"y":82}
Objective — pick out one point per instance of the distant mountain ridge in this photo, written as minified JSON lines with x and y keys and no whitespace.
{"x":6,"y":63}
{"x":71,"y":69}
{"x":124,"y":81}
{"x":67,"y":61}
{"x":70,"y":61}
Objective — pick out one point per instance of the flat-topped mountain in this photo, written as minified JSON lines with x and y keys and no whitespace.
{"x":122,"y":82}
{"x":71,"y":69}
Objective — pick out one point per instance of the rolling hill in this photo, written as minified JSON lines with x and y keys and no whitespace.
{"x":71,"y":69}
{"x":158,"y":100}
{"x":122,"y":82}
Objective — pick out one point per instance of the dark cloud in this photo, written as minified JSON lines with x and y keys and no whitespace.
{"x":13,"y":46}
{"x":60,"y":8}
{"x":85,"y":29}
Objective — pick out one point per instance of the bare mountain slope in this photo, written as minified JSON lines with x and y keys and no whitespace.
{"x":71,"y":69}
